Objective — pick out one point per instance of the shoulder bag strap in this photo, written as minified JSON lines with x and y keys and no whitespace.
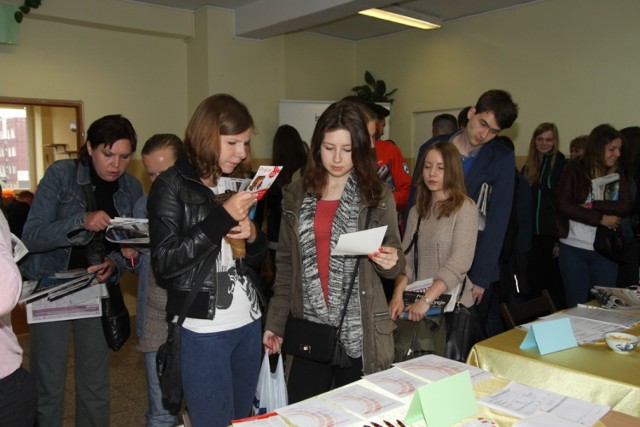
{"x":353,"y":276}
{"x":414,"y":242}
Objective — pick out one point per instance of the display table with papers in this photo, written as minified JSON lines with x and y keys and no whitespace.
{"x":389,"y":399}
{"x":590,"y":371}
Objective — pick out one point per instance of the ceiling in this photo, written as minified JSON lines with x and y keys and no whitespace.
{"x":261,"y":19}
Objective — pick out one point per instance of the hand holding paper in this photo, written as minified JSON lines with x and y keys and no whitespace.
{"x":363,"y":242}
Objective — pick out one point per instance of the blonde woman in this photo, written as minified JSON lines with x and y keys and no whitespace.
{"x":543,"y":170}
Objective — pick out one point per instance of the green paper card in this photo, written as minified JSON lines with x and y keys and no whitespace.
{"x":444,"y":402}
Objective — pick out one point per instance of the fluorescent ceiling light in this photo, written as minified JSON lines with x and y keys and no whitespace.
{"x":404,"y":17}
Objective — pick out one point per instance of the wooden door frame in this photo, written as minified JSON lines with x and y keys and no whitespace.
{"x":77,"y":105}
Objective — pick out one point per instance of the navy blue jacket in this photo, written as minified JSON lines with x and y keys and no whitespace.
{"x":495,"y":165}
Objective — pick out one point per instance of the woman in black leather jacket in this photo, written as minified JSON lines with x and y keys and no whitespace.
{"x":189,"y":223}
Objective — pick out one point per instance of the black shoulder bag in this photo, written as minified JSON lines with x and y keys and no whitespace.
{"x":317,"y":341}
{"x":464,"y":329}
{"x":116,"y":323}
{"x":168,"y":355}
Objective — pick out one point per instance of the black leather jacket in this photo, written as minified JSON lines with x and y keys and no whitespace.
{"x":186,"y":226}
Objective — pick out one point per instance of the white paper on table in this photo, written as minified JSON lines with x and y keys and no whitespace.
{"x":625,"y":320}
{"x":363,"y":242}
{"x":433,"y":368}
{"x":544,"y":419}
{"x":317,"y":413}
{"x":522,"y":401}
{"x":396,"y":382}
{"x":585,"y":330}
{"x":364,"y":402}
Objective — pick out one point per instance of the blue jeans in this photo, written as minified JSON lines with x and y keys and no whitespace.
{"x":583,"y":269}
{"x":156,"y":415}
{"x":220,"y":373}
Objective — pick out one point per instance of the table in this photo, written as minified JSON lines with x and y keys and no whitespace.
{"x":480,"y":389}
{"x":591,"y":372}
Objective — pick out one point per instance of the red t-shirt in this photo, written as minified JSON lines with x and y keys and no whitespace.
{"x":325,"y":211}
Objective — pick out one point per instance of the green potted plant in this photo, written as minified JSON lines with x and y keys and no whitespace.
{"x":374,"y":90}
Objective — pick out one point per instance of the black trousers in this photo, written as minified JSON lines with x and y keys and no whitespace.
{"x":308,"y":378}
{"x":18,"y":399}
{"x":544,"y":272}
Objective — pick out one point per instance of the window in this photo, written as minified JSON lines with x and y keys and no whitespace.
{"x":34,"y":134}
{"x":15,"y":149}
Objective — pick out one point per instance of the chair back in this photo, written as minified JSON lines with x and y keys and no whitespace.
{"x":527,"y":311}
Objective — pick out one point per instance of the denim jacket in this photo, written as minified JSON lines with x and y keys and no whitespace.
{"x":56,"y":218}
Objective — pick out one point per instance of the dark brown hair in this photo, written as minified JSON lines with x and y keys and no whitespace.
{"x":107,"y":130}
{"x":594,"y":152}
{"x":346,"y":115}
{"x":288,"y":151}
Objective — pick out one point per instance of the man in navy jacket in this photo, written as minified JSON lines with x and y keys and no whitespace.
{"x":484,"y":160}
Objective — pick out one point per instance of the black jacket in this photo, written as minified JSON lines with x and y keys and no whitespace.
{"x":186,"y":226}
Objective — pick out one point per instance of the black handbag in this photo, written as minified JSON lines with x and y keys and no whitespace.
{"x":309,"y":340}
{"x":316,"y":341}
{"x":168,"y":355}
{"x":609,"y":243}
{"x":464,"y":329}
{"x":116,"y":323}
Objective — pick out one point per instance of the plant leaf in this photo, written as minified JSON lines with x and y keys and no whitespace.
{"x":18,"y":16}
{"x":381,"y":88}
{"x":391,"y":93}
{"x":368,"y":77}
{"x":24,"y":9}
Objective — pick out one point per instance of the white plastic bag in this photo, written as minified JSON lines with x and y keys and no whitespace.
{"x":271,"y":393}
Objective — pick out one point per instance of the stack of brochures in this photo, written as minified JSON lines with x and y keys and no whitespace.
{"x":58,"y":286}
{"x":445,"y":303}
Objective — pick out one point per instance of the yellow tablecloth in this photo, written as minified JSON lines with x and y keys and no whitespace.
{"x":591,"y":372}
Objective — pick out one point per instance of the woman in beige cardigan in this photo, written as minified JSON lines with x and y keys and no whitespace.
{"x":446,"y":240}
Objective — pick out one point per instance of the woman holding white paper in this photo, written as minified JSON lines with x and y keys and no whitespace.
{"x":189,"y":225}
{"x":446,"y":223}
{"x":339,"y":188}
{"x":580,"y":211}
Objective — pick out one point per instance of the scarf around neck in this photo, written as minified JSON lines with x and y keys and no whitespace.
{"x":341,"y":269}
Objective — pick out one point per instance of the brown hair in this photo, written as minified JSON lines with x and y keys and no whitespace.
{"x":594,"y":152}
{"x":452,"y":183}
{"x":217,"y":115}
{"x":345,"y":115}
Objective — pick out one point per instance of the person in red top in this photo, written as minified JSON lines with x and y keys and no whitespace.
{"x":391,"y":166}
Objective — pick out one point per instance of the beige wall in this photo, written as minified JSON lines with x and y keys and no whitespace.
{"x":111,"y":69}
{"x":573,"y":62}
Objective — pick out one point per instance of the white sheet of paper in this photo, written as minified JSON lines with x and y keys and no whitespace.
{"x":363,"y":242}
{"x":523,"y":401}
